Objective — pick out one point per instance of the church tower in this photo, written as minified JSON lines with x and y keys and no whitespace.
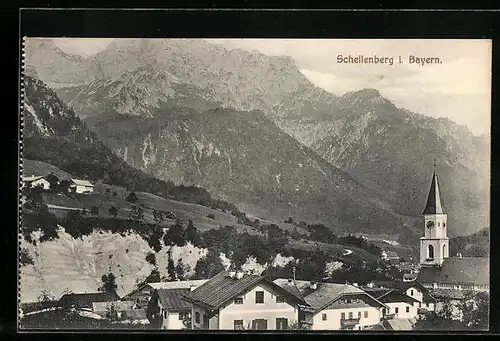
{"x":434,"y":245}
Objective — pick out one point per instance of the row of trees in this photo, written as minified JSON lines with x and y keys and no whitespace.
{"x":473,"y":311}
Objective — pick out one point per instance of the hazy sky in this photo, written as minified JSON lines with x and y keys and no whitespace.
{"x":459,"y":87}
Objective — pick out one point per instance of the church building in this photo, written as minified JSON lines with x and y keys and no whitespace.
{"x":438,"y":270}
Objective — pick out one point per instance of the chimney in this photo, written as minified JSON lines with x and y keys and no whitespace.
{"x":232,"y":273}
{"x":290,"y":281}
{"x":460,"y":255}
{"x":355,"y":284}
{"x":192,"y":287}
{"x":313,"y":285}
{"x":239,"y":274}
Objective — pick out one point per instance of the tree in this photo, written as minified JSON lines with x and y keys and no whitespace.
{"x":94,"y":210}
{"x":191,"y":234}
{"x":24,"y":257}
{"x":114,"y":194}
{"x":109,"y":283}
{"x":158,"y":216}
{"x":208,"y":266}
{"x":151,"y":258}
{"x":136,"y":213}
{"x":180,"y":270}
{"x":64,"y":186}
{"x":111,"y":313}
{"x":107,"y":191}
{"x":113,"y":210}
{"x":171,"y":269}
{"x":132,"y":197}
{"x":54,"y":182}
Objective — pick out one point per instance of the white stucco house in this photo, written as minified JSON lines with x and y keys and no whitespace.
{"x":81,"y":186}
{"x":238,"y":301}
{"x":335,"y":306}
{"x":34,"y":181}
{"x":167,"y":309}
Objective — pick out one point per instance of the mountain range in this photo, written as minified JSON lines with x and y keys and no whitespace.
{"x":253,"y":130}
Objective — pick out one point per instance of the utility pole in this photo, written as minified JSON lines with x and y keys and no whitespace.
{"x":293,"y":270}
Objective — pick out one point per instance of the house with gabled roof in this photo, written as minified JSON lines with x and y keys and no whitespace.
{"x":401,"y":306}
{"x":81,"y":186}
{"x":36,"y":180}
{"x":425,"y":301}
{"x":167,"y":309}
{"x":335,"y":306}
{"x":234,"y":300}
{"x":144,"y":292}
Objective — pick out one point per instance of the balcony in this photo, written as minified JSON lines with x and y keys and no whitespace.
{"x":349,"y":322}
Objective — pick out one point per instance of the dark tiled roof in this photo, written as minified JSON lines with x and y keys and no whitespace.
{"x":396,"y":296}
{"x":434,"y":203}
{"x":289,"y":286}
{"x":397,"y":324}
{"x":376,"y":292}
{"x":171,"y":299}
{"x":457,"y":270}
{"x":86,"y":300}
{"x":403,"y":286}
{"x":222,"y":288}
{"x":327,"y":293}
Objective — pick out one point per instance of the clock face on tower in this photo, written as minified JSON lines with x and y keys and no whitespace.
{"x":430,"y":225}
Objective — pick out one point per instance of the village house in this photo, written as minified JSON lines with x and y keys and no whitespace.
{"x":125,"y":311}
{"x":143,"y":294}
{"x":389,"y":257}
{"x":335,"y":306}
{"x":424,"y":300}
{"x":86,"y":300}
{"x":401,"y":306}
{"x":167,"y":309}
{"x":394,"y":325}
{"x":34,"y":181}
{"x":235,"y":300}
{"x":81,"y":186}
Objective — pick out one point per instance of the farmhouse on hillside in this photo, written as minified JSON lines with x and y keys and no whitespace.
{"x":236,"y":300}
{"x":34,"y":181}
{"x":81,"y":186}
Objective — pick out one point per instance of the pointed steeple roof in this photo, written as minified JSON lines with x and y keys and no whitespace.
{"x":434,"y":204}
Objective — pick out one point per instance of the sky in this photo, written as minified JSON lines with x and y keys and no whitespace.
{"x":459,"y":87}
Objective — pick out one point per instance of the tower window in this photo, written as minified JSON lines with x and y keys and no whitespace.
{"x":430,"y":250}
{"x":439,"y":224}
{"x":444,"y":224}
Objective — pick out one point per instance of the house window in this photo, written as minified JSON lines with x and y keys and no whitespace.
{"x":238,"y":300}
{"x":259,"y":324}
{"x":407,"y":309}
{"x":342,"y":316}
{"x":164,"y":314}
{"x":366,"y":314}
{"x":397,"y":310}
{"x":259,"y":297}
{"x":348,"y":301}
{"x":281,"y":323}
{"x":197,"y":317}
{"x":323,"y":317}
{"x":238,"y":325}
{"x":359,"y":314}
{"x":411,"y":293}
{"x":420,"y":305}
{"x":350,"y":315}
{"x":280,"y":299}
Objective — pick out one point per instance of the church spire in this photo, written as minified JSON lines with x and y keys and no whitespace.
{"x":434,"y":204}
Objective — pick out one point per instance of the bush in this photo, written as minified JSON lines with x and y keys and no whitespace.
{"x":132,"y":197}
